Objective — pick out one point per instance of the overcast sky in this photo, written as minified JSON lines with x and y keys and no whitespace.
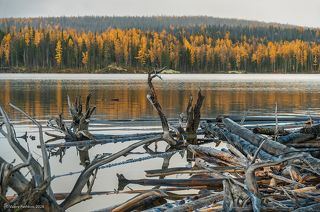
{"x":298,"y":12}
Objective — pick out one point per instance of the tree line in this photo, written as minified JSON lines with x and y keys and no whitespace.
{"x":209,"y":26}
{"x":186,"y":49}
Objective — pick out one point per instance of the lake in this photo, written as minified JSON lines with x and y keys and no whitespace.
{"x":122,"y":97}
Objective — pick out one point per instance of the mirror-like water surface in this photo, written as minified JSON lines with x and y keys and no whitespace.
{"x":124,"y":96}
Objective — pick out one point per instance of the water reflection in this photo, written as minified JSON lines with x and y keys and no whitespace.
{"x":126,"y":99}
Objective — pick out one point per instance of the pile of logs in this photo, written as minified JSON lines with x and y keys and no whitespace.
{"x":252,"y":173}
{"x":233,"y":167}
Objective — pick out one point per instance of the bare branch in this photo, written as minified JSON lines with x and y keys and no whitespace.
{"x":74,"y":196}
{"x":34,"y":168}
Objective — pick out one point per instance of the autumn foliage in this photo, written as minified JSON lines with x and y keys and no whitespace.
{"x":53,"y":48}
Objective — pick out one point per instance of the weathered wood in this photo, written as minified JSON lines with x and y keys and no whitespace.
{"x":315,"y":130}
{"x":214,"y":153}
{"x":284,"y":179}
{"x":38,"y":191}
{"x":213,"y":183}
{"x":186,"y":170}
{"x":75,"y":195}
{"x":269,"y":131}
{"x":234,"y":195}
{"x":153,"y":99}
{"x":14,"y":180}
{"x":306,"y":145}
{"x":95,"y":142}
{"x":199,"y":203}
{"x":45,"y":158}
{"x":281,"y":118}
{"x":193,"y":120}
{"x":239,"y":143}
{"x":270,"y":146}
{"x":310,"y":208}
{"x":295,"y":138}
{"x":34,"y":168}
{"x":251,"y":182}
{"x":143,"y":201}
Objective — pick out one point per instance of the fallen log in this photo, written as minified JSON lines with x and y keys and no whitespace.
{"x":212,"y":183}
{"x":142,"y":202}
{"x":173,"y":171}
{"x":269,"y":131}
{"x":295,"y":138}
{"x":217,"y":154}
{"x":281,"y":118}
{"x":95,"y":142}
{"x":186,"y":170}
{"x":315,"y":130}
{"x":270,"y":146}
{"x":199,"y":203}
{"x":310,"y":208}
{"x":239,"y":143}
{"x":307,"y":145}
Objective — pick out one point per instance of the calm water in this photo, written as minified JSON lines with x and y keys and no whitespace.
{"x":44,"y":96}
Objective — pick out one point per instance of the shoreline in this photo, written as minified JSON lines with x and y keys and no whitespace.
{"x":251,"y":78}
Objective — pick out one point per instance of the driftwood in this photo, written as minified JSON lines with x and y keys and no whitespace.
{"x":282,"y":118}
{"x":270,"y":146}
{"x":79,"y":127}
{"x":182,"y":135}
{"x":153,"y":99}
{"x":90,"y":143}
{"x":239,"y":143}
{"x":143,"y":201}
{"x":75,"y":195}
{"x":264,"y":169}
{"x":315,"y":130}
{"x":199,"y":203}
{"x":173,"y":171}
{"x":295,"y":138}
{"x":213,"y":183}
{"x":270,"y":131}
{"x":186,"y":170}
{"x":39,"y":191}
{"x":217,"y":154}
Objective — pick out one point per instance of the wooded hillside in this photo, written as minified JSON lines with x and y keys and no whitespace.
{"x":186,"y":44}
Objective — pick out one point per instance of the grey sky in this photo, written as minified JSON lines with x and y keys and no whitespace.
{"x":298,"y":12}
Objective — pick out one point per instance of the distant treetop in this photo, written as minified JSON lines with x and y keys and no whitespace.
{"x":205,"y":25}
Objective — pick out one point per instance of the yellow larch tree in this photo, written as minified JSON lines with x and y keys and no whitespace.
{"x":70,"y":43}
{"x":58,"y":55}
{"x":27,"y":38}
{"x":37,"y":38}
{"x":6,"y":47}
{"x":85,"y":58}
{"x":142,"y":53}
{"x":272,"y":51}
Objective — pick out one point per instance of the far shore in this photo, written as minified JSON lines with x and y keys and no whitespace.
{"x":211,"y":78}
{"x":133,"y":71}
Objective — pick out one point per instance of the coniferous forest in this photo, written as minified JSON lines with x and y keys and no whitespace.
{"x":186,"y":44}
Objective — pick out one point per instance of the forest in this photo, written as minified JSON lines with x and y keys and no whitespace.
{"x":134,"y":44}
